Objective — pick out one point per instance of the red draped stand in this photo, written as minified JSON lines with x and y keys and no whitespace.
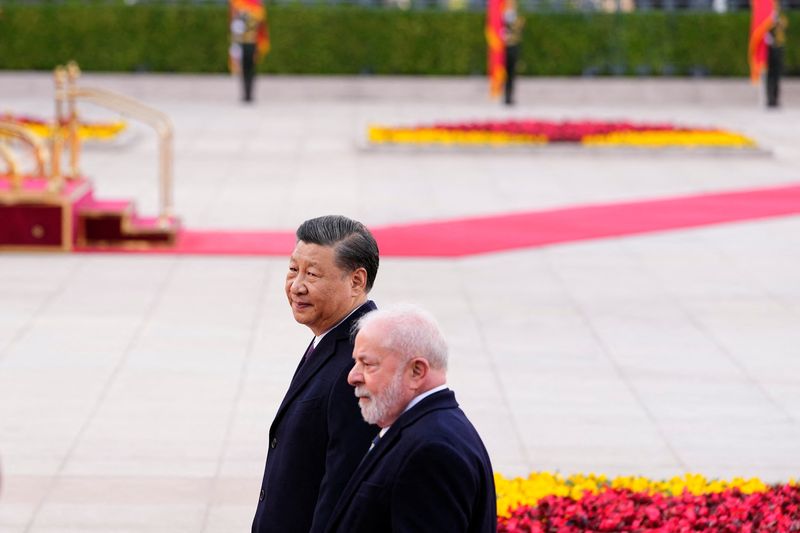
{"x":34,"y":217}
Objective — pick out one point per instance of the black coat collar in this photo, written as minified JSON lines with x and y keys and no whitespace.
{"x":322,"y":353}
{"x":444,"y":399}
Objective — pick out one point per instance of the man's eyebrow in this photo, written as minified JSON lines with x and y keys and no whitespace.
{"x":293,"y":259}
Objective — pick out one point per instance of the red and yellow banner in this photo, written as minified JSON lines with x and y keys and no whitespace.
{"x":761,"y":20}
{"x":496,"y":49}
{"x":254,"y":10}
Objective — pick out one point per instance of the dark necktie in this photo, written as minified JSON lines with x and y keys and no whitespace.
{"x":306,"y":357}
{"x":374,"y":442}
{"x":371,"y":446}
{"x":309,"y":351}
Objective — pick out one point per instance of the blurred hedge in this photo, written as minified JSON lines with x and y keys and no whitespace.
{"x":351,"y":40}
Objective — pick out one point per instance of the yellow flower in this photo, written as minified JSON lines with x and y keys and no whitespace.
{"x":659,"y":139}
{"x":100,"y":131}
{"x":438,"y":136}
{"x":512,"y":493}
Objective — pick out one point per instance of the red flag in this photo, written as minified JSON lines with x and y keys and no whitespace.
{"x":761,"y":20}
{"x":263,"y":43}
{"x":496,"y":66}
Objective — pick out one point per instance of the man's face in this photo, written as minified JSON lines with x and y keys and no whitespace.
{"x":380,"y":379}
{"x":319,"y":292}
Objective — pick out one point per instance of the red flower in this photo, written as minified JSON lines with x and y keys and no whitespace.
{"x":777,"y":510}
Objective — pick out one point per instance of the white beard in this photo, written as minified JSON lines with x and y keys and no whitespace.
{"x":381,"y":404}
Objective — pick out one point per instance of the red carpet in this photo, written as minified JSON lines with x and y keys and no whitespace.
{"x":477,"y":235}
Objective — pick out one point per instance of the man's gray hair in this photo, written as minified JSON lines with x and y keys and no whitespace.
{"x":409,"y":331}
{"x":354,"y":244}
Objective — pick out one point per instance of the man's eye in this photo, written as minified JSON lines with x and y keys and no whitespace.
{"x":293,"y":269}
{"x":313,"y":274}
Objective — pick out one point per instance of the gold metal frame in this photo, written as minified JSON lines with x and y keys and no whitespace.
{"x":68,"y":92}
{"x":15,"y":131}
{"x":73,"y":73}
{"x":51,"y":196}
{"x":57,"y":141}
{"x":13,"y":167}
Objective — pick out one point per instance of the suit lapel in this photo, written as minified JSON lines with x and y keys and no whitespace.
{"x":322,"y":353}
{"x":305,"y":371}
{"x":444,"y":399}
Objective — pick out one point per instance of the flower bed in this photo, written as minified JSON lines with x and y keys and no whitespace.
{"x":537,"y":132}
{"x":549,"y":502}
{"x":96,"y":131}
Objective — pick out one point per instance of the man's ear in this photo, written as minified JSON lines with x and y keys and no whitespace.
{"x":358,"y":279}
{"x":419,"y":368}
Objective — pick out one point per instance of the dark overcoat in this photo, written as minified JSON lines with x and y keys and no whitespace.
{"x":316,"y":441}
{"x":429,"y":472}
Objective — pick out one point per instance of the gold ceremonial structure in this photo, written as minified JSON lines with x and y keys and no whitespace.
{"x":15,"y":131}
{"x":82,"y":220}
{"x":67,"y":95}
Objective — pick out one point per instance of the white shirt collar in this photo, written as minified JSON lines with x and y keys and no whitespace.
{"x":414,"y":401}
{"x":318,"y":338}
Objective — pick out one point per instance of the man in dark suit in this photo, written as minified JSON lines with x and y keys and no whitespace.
{"x":318,"y":436}
{"x":428,"y":470}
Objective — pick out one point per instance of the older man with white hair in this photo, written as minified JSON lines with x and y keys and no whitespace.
{"x":428,"y":469}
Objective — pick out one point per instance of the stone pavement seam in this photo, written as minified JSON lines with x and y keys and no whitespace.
{"x":715,"y":340}
{"x":601,"y":343}
{"x":245,"y":368}
{"x":43,"y":305}
{"x":487,"y":349}
{"x":778,"y":299}
{"x":750,"y":380}
{"x":159,"y":294}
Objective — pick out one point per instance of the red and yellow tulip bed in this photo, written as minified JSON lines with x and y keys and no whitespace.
{"x":540,"y":132}
{"x":546,"y":502}
{"x":96,"y":131}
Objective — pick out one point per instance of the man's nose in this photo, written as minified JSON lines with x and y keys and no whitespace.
{"x":298,"y":285}
{"x":354,"y":378}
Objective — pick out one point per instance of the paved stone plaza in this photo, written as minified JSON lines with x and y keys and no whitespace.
{"x":136,"y":391}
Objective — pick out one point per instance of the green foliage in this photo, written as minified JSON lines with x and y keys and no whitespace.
{"x":792,"y":48}
{"x":106,"y":37}
{"x":349,"y":40}
{"x":353,"y":40}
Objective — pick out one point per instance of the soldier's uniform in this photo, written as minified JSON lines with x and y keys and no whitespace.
{"x":512,"y":36}
{"x":248,"y":40}
{"x":776,"y":39}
